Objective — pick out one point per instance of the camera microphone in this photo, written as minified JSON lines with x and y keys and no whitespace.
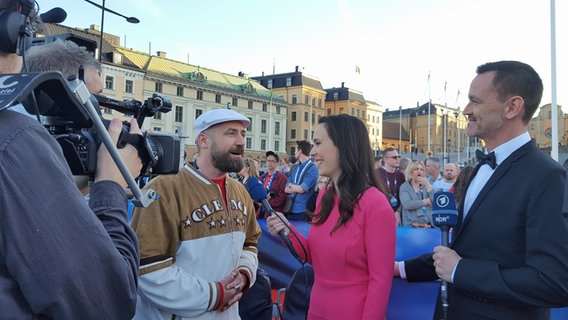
{"x":444,"y":216}
{"x":55,"y":15}
{"x":258,"y":194}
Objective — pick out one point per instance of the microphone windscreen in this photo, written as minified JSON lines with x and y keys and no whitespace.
{"x":255,"y":189}
{"x":444,"y":212}
{"x":55,"y":15}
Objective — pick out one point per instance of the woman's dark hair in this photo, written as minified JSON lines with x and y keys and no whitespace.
{"x":350,"y":136}
{"x":461,"y":182}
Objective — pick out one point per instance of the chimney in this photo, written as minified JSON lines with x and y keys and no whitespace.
{"x":297,"y":68}
{"x":161,"y":54}
{"x":343,"y":84}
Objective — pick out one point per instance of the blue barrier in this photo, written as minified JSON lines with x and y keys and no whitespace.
{"x":408,"y":301}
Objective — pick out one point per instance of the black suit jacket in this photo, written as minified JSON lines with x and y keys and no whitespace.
{"x":513,"y":244}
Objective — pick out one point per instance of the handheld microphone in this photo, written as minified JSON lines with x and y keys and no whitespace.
{"x":444,"y":216}
{"x":258,"y":194}
{"x":55,"y":15}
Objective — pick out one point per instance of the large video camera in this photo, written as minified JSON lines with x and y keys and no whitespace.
{"x":160,"y":152}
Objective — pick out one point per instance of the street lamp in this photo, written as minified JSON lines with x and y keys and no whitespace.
{"x":103,"y":9}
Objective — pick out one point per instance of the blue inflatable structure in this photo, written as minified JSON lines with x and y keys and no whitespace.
{"x":408,"y":301}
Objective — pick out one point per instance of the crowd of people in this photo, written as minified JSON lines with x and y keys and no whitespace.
{"x":193,"y":253}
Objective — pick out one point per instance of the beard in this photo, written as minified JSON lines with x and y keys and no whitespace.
{"x":223,"y":161}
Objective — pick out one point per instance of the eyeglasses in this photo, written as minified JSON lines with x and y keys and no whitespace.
{"x":271,"y":160}
{"x":394,"y":157}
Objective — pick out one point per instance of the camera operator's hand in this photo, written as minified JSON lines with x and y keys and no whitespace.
{"x":106,"y":168}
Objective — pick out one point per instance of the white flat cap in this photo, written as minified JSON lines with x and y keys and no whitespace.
{"x":216,"y":116}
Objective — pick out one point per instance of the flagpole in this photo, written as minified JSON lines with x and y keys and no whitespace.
{"x":428,"y":112}
{"x":554,"y":107}
{"x":400,"y":130}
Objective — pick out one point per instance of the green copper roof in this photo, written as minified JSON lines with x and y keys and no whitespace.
{"x":186,"y":72}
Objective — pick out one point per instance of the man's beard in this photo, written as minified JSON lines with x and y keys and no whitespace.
{"x":223,"y":160}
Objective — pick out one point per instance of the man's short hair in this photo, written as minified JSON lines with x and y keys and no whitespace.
{"x":60,"y":55}
{"x":516,"y":78}
{"x":305,"y":146}
{"x":387,"y":150}
{"x":434,"y":161}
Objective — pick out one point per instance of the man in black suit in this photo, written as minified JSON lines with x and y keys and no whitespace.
{"x":508,"y":258}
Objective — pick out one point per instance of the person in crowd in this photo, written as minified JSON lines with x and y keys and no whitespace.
{"x":198,"y":242}
{"x":311,"y":205}
{"x":416,"y":196}
{"x":61,"y":258}
{"x":248,"y":170}
{"x":449,"y":176}
{"x":284,"y":167}
{"x":404,"y":161}
{"x":291,"y":162}
{"x":565,"y":164}
{"x":459,"y":187}
{"x":67,"y":57}
{"x":274,"y":182}
{"x":258,"y":166}
{"x":351,"y":243}
{"x":392,"y":179}
{"x":302,"y":181}
{"x":433,"y":169}
{"x":507,"y":257}
{"x":378,"y":160}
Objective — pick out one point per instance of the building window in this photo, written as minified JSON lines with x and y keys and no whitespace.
{"x":313,"y":118}
{"x":294,"y":99}
{"x":269,"y":85}
{"x":158,"y":87}
{"x":306,"y":99}
{"x":109,"y":83}
{"x":305,"y":116}
{"x":198,"y":112}
{"x":277,"y":109}
{"x":129,"y":86}
{"x":156,"y":129}
{"x":288,"y":82}
{"x":199,"y":95}
{"x":305,"y":134}
{"x":313,"y":101}
{"x":336,"y":96}
{"x":265,"y":107}
{"x":249,"y":128}
{"x":179,"y":114}
{"x":293,"y":116}
{"x":158,"y":115}
{"x":319,"y":103}
{"x":263,"y":144}
{"x":277,"y":127}
{"x":276,"y":146}
{"x":249,"y":143}
{"x":235,"y":101}
{"x":263,"y":126}
{"x":217,"y":98}
{"x":250,"y":104}
{"x":179,"y":91}
{"x":293,"y":134}
{"x":363,"y":114}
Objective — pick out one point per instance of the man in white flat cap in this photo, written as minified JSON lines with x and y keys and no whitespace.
{"x":198,"y":241}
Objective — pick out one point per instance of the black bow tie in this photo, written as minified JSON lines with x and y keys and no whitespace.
{"x":486,"y":158}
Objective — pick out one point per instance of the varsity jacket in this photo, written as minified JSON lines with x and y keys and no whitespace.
{"x":189,"y":241}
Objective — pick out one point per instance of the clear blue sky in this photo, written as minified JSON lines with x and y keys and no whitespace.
{"x":396,"y":44}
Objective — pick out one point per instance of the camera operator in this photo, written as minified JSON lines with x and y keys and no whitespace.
{"x":59,"y":258}
{"x":67,"y":57}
